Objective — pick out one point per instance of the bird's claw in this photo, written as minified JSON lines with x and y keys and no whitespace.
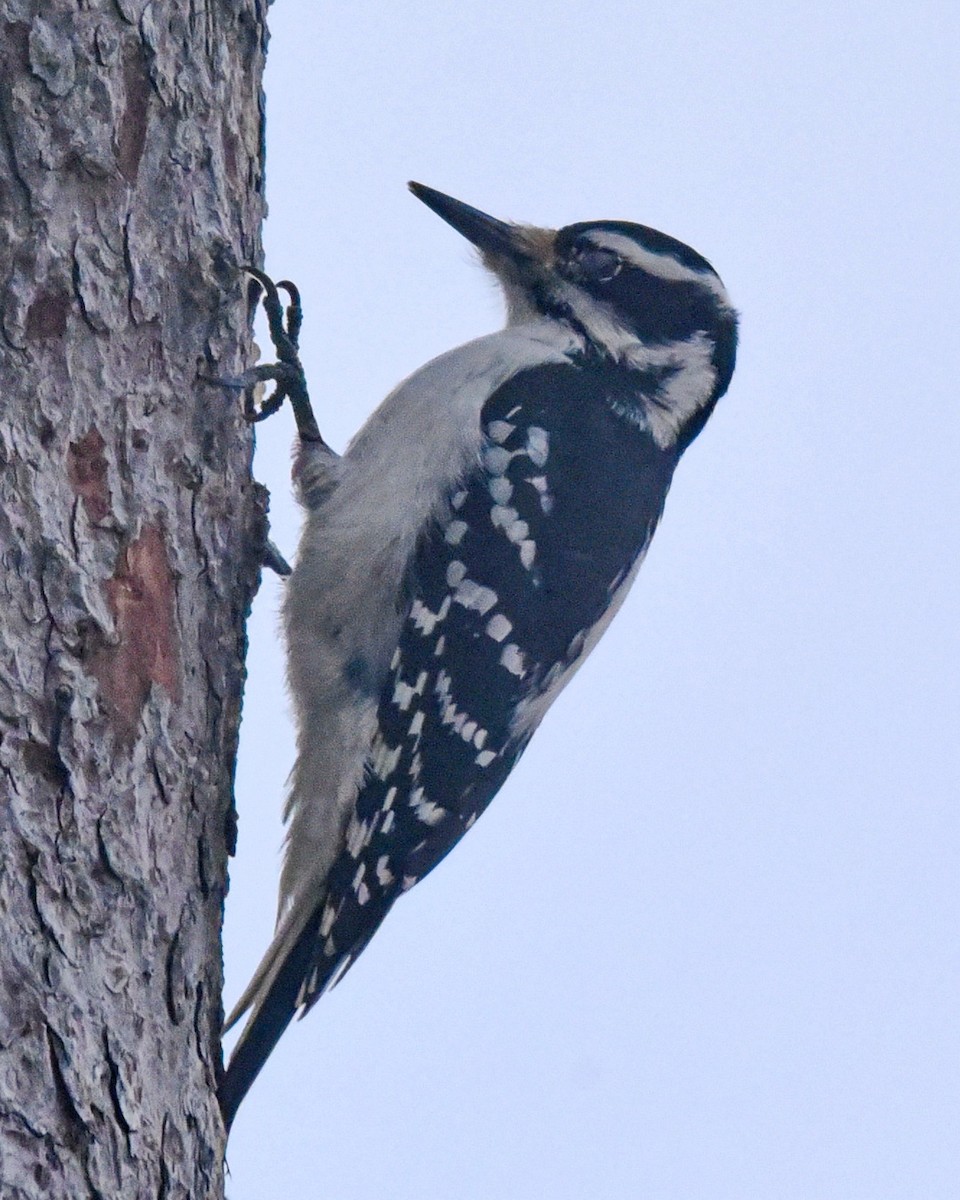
{"x":273,"y":559}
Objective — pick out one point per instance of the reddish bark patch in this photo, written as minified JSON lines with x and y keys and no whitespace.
{"x":87,"y":472}
{"x":47,"y":315}
{"x":141,"y":599}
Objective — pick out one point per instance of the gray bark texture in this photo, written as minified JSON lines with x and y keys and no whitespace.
{"x":130,"y":190}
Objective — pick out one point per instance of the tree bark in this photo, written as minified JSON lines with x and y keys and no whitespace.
{"x":130,"y":533}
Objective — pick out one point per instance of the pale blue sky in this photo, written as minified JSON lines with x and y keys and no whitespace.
{"x":703,"y":946}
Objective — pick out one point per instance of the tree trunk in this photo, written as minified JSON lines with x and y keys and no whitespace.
{"x":130,"y":533}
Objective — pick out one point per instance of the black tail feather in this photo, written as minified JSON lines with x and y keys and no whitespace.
{"x":265,"y":1027}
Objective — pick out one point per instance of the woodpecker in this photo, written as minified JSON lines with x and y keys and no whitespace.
{"x":460,"y":561}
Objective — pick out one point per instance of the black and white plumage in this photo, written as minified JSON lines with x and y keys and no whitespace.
{"x":460,"y":561}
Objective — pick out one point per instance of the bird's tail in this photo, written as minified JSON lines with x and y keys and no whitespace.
{"x":272,"y":994}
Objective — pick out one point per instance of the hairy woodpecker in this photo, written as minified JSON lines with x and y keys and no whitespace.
{"x":460,"y":561}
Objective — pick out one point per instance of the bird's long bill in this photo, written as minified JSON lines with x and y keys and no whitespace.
{"x":487,"y":233}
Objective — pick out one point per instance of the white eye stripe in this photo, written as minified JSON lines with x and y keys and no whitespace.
{"x":664,"y":265}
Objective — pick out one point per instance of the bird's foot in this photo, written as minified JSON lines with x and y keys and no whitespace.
{"x":286,"y":373}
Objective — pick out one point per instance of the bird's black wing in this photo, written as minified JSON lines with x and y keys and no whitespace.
{"x":504,"y":592}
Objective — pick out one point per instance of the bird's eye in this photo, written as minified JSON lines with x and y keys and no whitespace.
{"x":594,"y":263}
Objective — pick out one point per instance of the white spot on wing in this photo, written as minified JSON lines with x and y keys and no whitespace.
{"x":453,"y":534}
{"x":546,"y":499}
{"x":498,"y":627}
{"x":500,"y":489}
{"x":426,"y":811}
{"x":496,"y":459}
{"x":475,"y":596}
{"x":512,"y":659}
{"x":538,"y":445}
{"x":356,"y":836}
{"x":456,"y":571}
{"x":424,"y":620}
{"x":517,"y":531}
{"x":384,"y":760}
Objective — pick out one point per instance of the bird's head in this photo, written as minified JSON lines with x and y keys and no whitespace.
{"x":627,"y":288}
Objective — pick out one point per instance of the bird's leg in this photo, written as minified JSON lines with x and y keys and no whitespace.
{"x":290,"y":383}
{"x":287,"y":372}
